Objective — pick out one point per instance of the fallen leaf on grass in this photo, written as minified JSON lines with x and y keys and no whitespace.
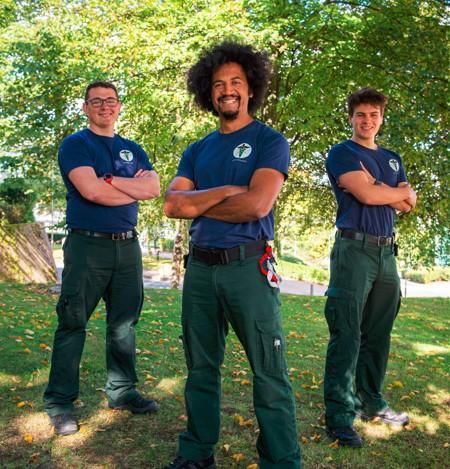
{"x":183,"y":418}
{"x":242,"y":422}
{"x":34,"y":458}
{"x":238,"y":457}
{"x":226,"y":448}
{"x":334,"y":445}
{"x":28,"y":438}
{"x":245,"y":382}
{"x":304,"y":440}
{"x":405,"y":397}
{"x":252,"y":466}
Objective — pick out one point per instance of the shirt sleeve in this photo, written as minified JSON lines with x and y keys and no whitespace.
{"x":144,"y":161}
{"x":341,"y":160}
{"x":274,"y":153}
{"x":186,"y":164}
{"x":401,"y":172}
{"x":74,"y":153}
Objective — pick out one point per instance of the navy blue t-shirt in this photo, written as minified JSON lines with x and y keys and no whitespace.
{"x":115,"y":155}
{"x":383,"y":165}
{"x":222,"y":159}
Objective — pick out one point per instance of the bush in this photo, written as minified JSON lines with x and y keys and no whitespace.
{"x":428,"y":274}
{"x":17,"y":200}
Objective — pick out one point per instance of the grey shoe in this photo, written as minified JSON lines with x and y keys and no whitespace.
{"x":65,"y":424}
{"x":388,"y":415}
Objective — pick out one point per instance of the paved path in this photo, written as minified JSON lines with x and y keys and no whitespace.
{"x":153,"y":279}
{"x":161,"y":279}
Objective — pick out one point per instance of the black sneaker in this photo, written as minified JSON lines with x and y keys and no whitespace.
{"x":388,"y":415}
{"x":137,"y":405}
{"x":181,"y":463}
{"x":345,"y":436}
{"x":65,"y":424}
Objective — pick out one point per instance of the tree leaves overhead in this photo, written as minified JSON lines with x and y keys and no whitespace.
{"x":321,"y":51}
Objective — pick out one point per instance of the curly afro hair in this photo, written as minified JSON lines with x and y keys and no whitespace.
{"x":255,"y":64}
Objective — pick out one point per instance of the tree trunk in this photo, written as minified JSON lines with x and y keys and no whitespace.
{"x":276,"y":240}
{"x":177,"y":258}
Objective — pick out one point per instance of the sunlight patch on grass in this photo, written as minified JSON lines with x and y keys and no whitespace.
{"x":36,"y":424}
{"x":429,"y":349}
{"x":426,"y":424}
{"x":170,"y":386}
{"x":379,"y":431}
{"x":101,"y":421}
{"x":9,"y":380}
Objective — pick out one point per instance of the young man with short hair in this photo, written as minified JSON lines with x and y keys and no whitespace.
{"x":363,"y":297}
{"x":105,"y":175}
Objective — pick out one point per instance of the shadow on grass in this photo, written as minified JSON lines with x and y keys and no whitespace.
{"x":416,"y":382}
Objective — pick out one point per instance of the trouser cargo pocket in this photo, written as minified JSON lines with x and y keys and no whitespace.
{"x":271,"y":347}
{"x":70,"y":309}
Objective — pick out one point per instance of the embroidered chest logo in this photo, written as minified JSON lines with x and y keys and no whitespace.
{"x":242,"y":151}
{"x":126,"y":155}
{"x":394,"y":164}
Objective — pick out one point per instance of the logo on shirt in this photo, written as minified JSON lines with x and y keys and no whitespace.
{"x":242,"y":151}
{"x":126,"y":155}
{"x":394,"y":164}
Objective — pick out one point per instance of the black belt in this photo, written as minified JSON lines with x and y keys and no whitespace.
{"x":225,"y":256}
{"x":357,"y":235}
{"x":114,"y":236}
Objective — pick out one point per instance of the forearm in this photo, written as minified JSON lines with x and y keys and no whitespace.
{"x":240,"y":208}
{"x":104,"y":194}
{"x":192,"y":203}
{"x":142,"y":188}
{"x":383,"y":195}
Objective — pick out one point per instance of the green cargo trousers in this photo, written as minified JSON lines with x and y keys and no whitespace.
{"x":362,"y":304}
{"x":96,"y":268}
{"x":238,"y":294}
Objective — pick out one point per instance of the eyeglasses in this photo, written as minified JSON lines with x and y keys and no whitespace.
{"x":98,"y":102}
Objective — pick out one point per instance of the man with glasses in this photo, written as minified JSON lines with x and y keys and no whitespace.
{"x":105,"y":175}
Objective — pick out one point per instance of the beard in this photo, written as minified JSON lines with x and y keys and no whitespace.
{"x":229,"y":115}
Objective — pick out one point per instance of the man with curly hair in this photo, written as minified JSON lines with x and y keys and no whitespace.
{"x":227,"y":183}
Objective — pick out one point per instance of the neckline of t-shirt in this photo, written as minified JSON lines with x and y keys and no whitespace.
{"x":104,"y":137}
{"x":365,"y":148}
{"x":236,"y":132}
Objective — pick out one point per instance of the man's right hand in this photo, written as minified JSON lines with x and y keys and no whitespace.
{"x":182,"y":200}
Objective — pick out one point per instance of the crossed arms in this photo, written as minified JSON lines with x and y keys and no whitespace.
{"x":361,"y":185}
{"x":233,"y":204}
{"x":122,"y":191}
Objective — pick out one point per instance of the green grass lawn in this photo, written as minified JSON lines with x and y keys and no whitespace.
{"x":417,"y":382}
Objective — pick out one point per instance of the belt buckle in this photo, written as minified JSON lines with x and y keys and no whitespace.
{"x":118,"y":236}
{"x":384,"y":243}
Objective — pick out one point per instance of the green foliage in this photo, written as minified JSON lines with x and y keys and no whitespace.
{"x":427,"y":275}
{"x":321,"y":51}
{"x":17,"y":200}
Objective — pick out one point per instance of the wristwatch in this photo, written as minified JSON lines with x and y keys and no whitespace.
{"x":108,"y":177}
{"x":377,"y":182}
